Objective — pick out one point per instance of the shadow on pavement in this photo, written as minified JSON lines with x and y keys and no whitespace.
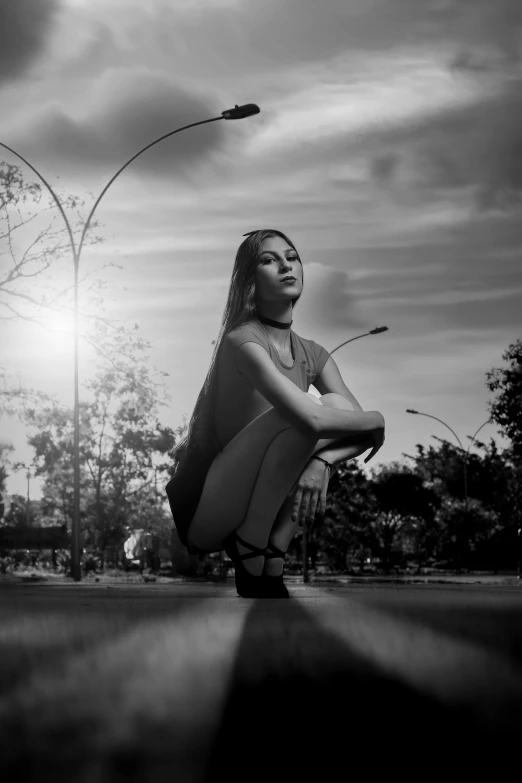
{"x":302,"y":705}
{"x":124,"y":688}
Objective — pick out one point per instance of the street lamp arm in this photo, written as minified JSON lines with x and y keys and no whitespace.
{"x":442,"y":422}
{"x":140,"y":152}
{"x":51,"y":191}
{"x":378,"y":330}
{"x":349,"y":341}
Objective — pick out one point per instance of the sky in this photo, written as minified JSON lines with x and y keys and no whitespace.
{"x":388,"y":147}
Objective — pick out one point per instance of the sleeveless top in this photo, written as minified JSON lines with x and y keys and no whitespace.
{"x":237,"y":402}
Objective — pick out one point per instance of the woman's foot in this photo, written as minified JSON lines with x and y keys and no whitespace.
{"x":274,"y":566}
{"x":248,"y":584}
{"x":273,"y":574}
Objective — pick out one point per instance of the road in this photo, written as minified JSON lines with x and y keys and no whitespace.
{"x":191,"y":683}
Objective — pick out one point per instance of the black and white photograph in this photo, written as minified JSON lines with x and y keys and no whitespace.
{"x":260,"y":390}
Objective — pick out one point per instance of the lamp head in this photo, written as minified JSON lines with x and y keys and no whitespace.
{"x":379,"y":329}
{"x":409,"y":410}
{"x":238,"y":112}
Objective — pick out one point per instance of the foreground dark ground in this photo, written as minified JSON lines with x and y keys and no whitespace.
{"x":188,"y":682}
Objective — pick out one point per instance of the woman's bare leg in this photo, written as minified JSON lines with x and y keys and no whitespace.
{"x":248,"y":482}
{"x":284,"y":527}
{"x":280,"y":468}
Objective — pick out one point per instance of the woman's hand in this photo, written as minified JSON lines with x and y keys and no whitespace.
{"x":378,"y":440}
{"x":310,"y":492}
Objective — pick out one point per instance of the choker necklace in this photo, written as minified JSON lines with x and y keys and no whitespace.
{"x":270,"y":322}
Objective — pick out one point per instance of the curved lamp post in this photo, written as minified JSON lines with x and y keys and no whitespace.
{"x":377,"y":330}
{"x":466,"y":451}
{"x":237,"y":113}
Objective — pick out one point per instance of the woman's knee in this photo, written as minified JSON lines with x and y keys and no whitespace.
{"x":333,"y":400}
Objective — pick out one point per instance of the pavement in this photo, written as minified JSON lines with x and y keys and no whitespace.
{"x":188,"y":682}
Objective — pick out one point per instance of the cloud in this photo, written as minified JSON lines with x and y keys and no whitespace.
{"x":478,"y":147}
{"x":484,"y":31}
{"x":462,"y":156}
{"x":125,"y":110}
{"x":327,"y":301}
{"x":236,"y":39}
{"x":384,"y":166}
{"x":24,"y":28}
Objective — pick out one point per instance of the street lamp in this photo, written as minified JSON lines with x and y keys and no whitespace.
{"x":466,"y":451}
{"x":237,"y":113}
{"x":377,"y":330}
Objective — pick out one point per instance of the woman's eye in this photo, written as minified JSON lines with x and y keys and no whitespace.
{"x":289,"y":258}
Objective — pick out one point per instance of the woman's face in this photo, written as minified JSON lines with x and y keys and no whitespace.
{"x":276,"y":261}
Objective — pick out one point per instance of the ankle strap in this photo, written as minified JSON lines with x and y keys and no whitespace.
{"x":256,"y":552}
{"x":275,"y":551}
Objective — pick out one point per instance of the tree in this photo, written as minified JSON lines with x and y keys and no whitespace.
{"x":464,"y":530}
{"x":401,"y":497}
{"x":345,"y":528}
{"x":36,"y":270}
{"x":441,"y":468}
{"x":506,"y":408}
{"x":492,"y":491}
{"x":5,"y":448}
{"x":123,"y":445}
{"x":35,"y":251}
{"x":21,"y":513}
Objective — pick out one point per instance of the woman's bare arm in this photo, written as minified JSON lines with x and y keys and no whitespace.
{"x":330,"y":380}
{"x":295,"y":405}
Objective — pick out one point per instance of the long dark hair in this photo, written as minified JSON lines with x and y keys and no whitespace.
{"x":194,"y":454}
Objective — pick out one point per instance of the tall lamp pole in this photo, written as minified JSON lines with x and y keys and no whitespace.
{"x":237,"y":113}
{"x":306,"y":577}
{"x":466,"y":451}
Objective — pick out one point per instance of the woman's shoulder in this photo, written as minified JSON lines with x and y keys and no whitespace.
{"x":244,"y":333}
{"x":308,"y":345}
{"x":314,"y":352}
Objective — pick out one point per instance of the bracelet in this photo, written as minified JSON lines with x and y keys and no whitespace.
{"x":328,"y":464}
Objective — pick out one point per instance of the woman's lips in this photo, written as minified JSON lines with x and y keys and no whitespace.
{"x":289,"y":281}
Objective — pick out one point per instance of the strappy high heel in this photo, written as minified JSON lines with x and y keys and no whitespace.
{"x":247,"y":585}
{"x":275,"y":587}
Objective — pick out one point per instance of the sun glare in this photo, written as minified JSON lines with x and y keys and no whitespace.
{"x":59,"y":332}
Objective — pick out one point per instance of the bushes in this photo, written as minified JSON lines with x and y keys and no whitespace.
{"x":22,"y":559}
{"x":14,"y":559}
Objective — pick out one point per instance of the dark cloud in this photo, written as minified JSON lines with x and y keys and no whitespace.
{"x":465,"y":61}
{"x":128,"y":109}
{"x":473,"y":22}
{"x":24,"y":25}
{"x":384,"y":166}
{"x":479,"y":147}
{"x":475,"y":147}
